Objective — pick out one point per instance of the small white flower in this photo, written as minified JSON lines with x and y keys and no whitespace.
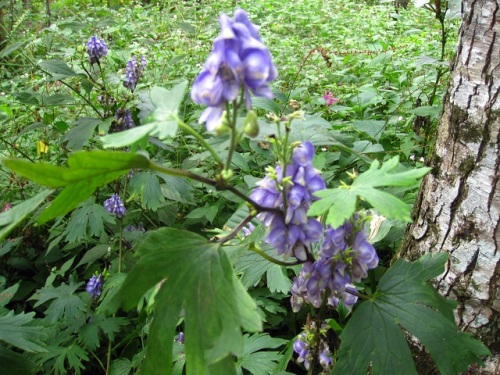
{"x":412,"y":157}
{"x":400,"y":118}
{"x":323,"y":149}
{"x":421,"y":159}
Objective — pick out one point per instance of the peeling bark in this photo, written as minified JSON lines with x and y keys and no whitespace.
{"x":458,"y":209}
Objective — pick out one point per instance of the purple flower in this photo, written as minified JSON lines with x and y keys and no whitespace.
{"x":345,"y":257}
{"x":94,"y":286}
{"x":124,"y":119}
{"x":291,"y":231}
{"x":96,"y":49}
{"x":133,"y":71}
{"x":239,"y":60}
{"x":313,"y":344}
{"x":115,"y":206}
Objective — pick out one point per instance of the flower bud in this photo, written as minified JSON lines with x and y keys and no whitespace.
{"x":223,"y":126}
{"x":251,"y":125}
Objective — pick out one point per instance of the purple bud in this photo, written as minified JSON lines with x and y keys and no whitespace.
{"x":94,"y":286}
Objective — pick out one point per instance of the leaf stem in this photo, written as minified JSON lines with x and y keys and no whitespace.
{"x":202,"y":140}
{"x":235,"y":231}
{"x":219,"y":184}
{"x":271,"y":259}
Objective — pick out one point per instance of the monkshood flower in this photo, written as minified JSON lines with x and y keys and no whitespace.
{"x":94,"y":286}
{"x":114,"y":205}
{"x":239,"y":60}
{"x":96,"y":49}
{"x":309,"y":346}
{"x":291,"y":231}
{"x":133,"y":71}
{"x":124,"y":119}
{"x":345,"y":258}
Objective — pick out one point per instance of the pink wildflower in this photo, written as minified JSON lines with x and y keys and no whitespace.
{"x":329,"y":98}
{"x":7,"y":207}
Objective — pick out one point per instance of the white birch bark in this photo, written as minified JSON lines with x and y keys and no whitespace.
{"x":458,"y":209}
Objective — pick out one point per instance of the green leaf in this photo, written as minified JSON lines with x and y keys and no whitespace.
{"x":163,"y":120}
{"x":87,"y":221}
{"x":7,"y":294}
{"x":67,"y":357}
{"x":11,"y":218}
{"x":120,"y":366}
{"x":17,"y":331}
{"x":260,"y":362}
{"x":371,"y":127}
{"x":65,"y":305}
{"x":196,"y":277}
{"x":426,"y":111}
{"x":373,"y":338}
{"x":79,"y":135}
{"x":87,"y":171}
{"x":11,"y":48}
{"x":57,"y":99}
{"x":146,"y":186}
{"x":93,"y":254}
{"x":89,"y":333}
{"x":15,"y":363}
{"x":340,"y":204}
{"x":58,"y":67}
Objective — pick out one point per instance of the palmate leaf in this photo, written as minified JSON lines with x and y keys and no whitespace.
{"x":15,"y":330}
{"x":340,"y":203}
{"x":255,"y":358}
{"x":196,"y":277}
{"x":65,"y":305}
{"x":87,"y":170}
{"x":88,"y":220}
{"x":373,"y":336}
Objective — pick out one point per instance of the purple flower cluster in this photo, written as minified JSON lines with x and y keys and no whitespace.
{"x":345,"y":257}
{"x":115,"y":206}
{"x":239,"y":60}
{"x":124,"y":119}
{"x":133,"y":71}
{"x":96,"y":49}
{"x":94,"y":286}
{"x":290,"y":230}
{"x":305,"y":347}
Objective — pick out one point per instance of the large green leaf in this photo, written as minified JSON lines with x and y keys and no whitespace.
{"x":373,"y":337}
{"x":87,"y":170}
{"x":340,"y":203}
{"x":196,"y":278}
{"x":11,"y":218}
{"x":162,"y":122}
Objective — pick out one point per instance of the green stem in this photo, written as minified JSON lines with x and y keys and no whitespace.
{"x":271,"y":259}
{"x":99,"y":361}
{"x":234,"y":136}
{"x":108,"y":358}
{"x":202,"y":140}
{"x":120,"y":245}
{"x":218,"y":184}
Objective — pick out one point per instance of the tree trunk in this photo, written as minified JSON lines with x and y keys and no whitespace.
{"x":458,"y":209}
